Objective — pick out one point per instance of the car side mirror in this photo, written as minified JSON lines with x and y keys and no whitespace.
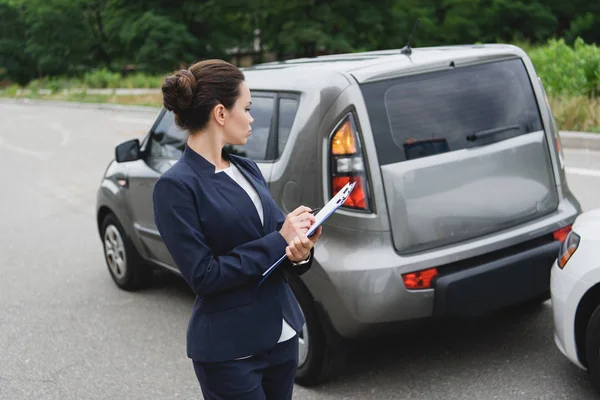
{"x":128,"y":151}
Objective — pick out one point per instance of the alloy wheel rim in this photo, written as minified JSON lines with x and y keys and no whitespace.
{"x":114,"y":249}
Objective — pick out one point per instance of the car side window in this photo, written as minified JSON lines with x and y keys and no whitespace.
{"x":256,"y":147}
{"x":167,"y":141}
{"x":287,"y":114}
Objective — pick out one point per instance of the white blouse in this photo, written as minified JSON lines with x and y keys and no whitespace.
{"x":287,"y":332}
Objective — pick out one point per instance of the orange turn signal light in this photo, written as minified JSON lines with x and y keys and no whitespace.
{"x":567,"y":248}
{"x":420,"y":279}
{"x":562,"y":261}
{"x":343,"y":141}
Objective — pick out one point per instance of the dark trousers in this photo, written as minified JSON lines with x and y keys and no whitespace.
{"x":264,"y":376}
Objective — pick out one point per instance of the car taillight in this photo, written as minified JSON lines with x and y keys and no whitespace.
{"x":420,"y":279}
{"x":347,"y":164}
{"x":562,"y":233}
{"x":567,"y":249}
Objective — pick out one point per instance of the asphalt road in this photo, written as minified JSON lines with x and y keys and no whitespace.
{"x":67,"y":332}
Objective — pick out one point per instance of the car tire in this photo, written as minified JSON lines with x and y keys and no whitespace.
{"x":126,"y":266}
{"x":592,"y":349}
{"x":321,"y":354}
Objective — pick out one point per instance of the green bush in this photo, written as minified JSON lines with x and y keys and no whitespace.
{"x":11,"y":91}
{"x":567,"y":70}
{"x":55,"y":84}
{"x":102,"y":79}
{"x":142,"y":81}
{"x":34,"y":85}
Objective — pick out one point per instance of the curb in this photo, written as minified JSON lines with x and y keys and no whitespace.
{"x":580,"y":140}
{"x":74,"y":104}
{"x":116,"y":92}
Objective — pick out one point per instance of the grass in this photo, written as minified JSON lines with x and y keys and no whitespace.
{"x":152,"y":100}
{"x":576,"y":113}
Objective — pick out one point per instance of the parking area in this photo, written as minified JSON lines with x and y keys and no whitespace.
{"x":66,"y":331}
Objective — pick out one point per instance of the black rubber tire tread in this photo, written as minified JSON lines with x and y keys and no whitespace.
{"x":138,"y":274}
{"x":326,"y":355}
{"x":592,"y":349}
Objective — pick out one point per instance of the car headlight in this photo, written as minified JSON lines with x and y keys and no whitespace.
{"x":567,"y":249}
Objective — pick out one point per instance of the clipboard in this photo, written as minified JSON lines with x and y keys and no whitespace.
{"x":332,"y":205}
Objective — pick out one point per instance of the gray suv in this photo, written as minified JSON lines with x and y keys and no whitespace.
{"x":461,"y":199}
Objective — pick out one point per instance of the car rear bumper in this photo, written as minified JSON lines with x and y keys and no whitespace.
{"x":363,"y":293}
{"x":496,"y":284}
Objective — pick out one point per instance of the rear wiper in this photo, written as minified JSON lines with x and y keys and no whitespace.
{"x":490,"y":132}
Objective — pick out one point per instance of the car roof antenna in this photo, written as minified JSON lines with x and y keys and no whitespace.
{"x":407,"y":49}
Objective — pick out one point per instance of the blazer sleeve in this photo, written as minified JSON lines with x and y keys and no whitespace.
{"x":286,"y":264}
{"x":178,"y":223}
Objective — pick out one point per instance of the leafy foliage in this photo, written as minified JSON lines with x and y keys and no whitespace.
{"x":41,"y":38}
{"x":567,"y":70}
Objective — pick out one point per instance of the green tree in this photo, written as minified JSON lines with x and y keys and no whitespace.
{"x":15,"y":63}
{"x":103,"y":47}
{"x":506,"y":20}
{"x":159,"y":35}
{"x":585,"y":26}
{"x":57,"y":37}
{"x":309,"y":27}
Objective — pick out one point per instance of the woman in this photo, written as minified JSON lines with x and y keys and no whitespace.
{"x":223,"y":230}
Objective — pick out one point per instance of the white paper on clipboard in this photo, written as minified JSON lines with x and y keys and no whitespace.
{"x":332,"y":205}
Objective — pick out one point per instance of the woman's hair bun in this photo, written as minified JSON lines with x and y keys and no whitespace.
{"x":200,"y":88}
{"x":178,"y":91}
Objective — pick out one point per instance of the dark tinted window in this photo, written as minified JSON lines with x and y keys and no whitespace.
{"x":433,"y":113}
{"x":287,"y":114}
{"x":262,"y":112}
{"x":168,"y":141}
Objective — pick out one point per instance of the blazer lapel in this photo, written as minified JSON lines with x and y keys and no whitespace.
{"x":221,"y":182}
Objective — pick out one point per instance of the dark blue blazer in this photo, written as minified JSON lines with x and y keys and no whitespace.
{"x":214,"y":234}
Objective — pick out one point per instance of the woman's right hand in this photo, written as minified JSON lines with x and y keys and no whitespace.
{"x":297,"y":223}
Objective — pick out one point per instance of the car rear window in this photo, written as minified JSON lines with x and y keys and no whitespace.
{"x":427,"y":114}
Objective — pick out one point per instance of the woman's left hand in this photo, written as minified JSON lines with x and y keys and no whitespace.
{"x":299,"y":248}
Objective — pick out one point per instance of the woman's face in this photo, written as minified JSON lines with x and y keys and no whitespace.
{"x":237,"y":129}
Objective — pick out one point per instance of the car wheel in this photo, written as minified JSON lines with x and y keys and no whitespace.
{"x":320,"y":355}
{"x":124,"y":263}
{"x":592,"y":349}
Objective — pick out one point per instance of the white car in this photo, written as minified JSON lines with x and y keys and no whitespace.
{"x":575,"y":288}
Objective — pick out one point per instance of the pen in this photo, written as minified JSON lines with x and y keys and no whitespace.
{"x":316,"y":210}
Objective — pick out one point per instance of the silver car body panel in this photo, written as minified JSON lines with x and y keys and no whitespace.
{"x":360,"y":259}
{"x":463,"y":194}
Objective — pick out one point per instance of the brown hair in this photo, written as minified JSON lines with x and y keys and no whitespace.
{"x":193,"y":93}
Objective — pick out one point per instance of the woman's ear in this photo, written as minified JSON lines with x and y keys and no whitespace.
{"x":219,"y":114}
